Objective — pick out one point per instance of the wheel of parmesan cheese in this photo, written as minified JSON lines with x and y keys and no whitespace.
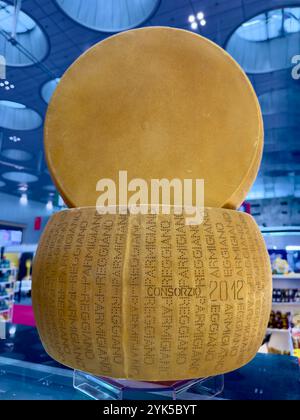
{"x":147,"y":297}
{"x":159,"y":103}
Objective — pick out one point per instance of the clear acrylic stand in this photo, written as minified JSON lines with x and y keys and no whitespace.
{"x":100,"y":388}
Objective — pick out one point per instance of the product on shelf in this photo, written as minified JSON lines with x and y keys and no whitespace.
{"x":296,"y":261}
{"x":7,"y":280}
{"x":286,"y":295}
{"x":273,"y":350}
{"x":3,"y":292}
{"x":285,"y":262}
{"x":296,"y":334}
{"x":5,"y":271}
{"x":4,"y":263}
{"x":3,"y":305}
{"x":296,"y":344}
{"x":4,"y":276}
{"x":280,"y":266}
{"x":296,"y":320}
{"x":279,"y":320}
{"x":5,"y":316}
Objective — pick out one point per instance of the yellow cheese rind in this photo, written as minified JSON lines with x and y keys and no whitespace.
{"x":145,"y":297}
{"x":159,"y":103}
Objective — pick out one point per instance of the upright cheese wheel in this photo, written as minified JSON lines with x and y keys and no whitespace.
{"x":159,"y":103}
{"x":146,"y":297}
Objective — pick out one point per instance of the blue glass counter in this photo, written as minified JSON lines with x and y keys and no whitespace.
{"x":28,"y":373}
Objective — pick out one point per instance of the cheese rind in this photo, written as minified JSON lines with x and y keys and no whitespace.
{"x":146,"y":297}
{"x":159,"y":103}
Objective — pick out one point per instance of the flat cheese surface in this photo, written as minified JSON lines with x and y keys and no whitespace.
{"x":157,"y":103}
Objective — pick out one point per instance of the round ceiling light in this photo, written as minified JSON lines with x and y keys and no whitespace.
{"x":48,"y":89}
{"x":109,"y":15}
{"x":268,"y":41}
{"x":20,"y":177}
{"x":17,"y":155}
{"x":28,"y":35}
{"x":25,"y":23}
{"x":16,"y":116}
{"x":14,"y":105}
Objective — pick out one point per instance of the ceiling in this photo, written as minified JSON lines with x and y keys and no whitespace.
{"x":54,"y":40}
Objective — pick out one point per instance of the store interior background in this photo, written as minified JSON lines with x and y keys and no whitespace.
{"x":40,"y":39}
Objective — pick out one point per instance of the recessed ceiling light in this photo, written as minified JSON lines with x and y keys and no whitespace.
{"x":192,"y":18}
{"x":16,"y":116}
{"x":200,"y":15}
{"x":17,"y":155}
{"x":20,"y":177}
{"x":109,"y":15}
{"x":262,"y":33}
{"x":11,"y":104}
{"x":194,"y":25}
{"x":203,"y":22}
{"x":7,"y":13}
{"x":26,"y":32}
{"x":6,"y":85}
